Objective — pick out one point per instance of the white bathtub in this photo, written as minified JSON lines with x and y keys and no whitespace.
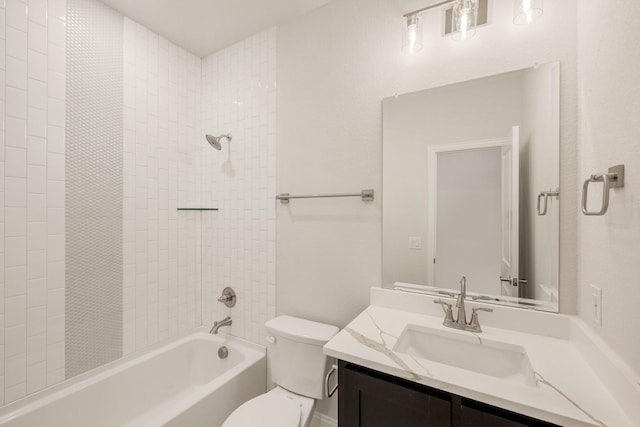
{"x":181,"y":384}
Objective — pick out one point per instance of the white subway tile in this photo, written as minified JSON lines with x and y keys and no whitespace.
{"x":36,"y":349}
{"x":56,"y":166}
{"x":15,"y":162}
{"x":36,"y":264}
{"x":36,"y":179}
{"x":16,"y":14}
{"x":36,"y":207}
{"x":16,"y":103}
{"x":36,"y":377}
{"x":38,"y":11}
{"x":37,"y":65}
{"x":55,"y":248}
{"x":15,"y":221}
{"x":36,"y":235}
{"x":55,"y":356}
{"x":15,"y":281}
{"x":56,"y":85}
{"x":55,"y":330}
{"x":15,"y":336}
{"x":16,"y":43}
{"x":37,"y":292}
{"x":37,"y":37}
{"x":37,"y":122}
{"x":36,"y":151}
{"x":55,"y":194}
{"x":56,"y":58}
{"x":16,"y":73}
{"x":37,"y":94}
{"x":15,"y":132}
{"x":13,"y":393}
{"x":57,"y":9}
{"x":56,"y":112}
{"x":36,"y":321}
{"x":55,"y":275}
{"x":56,"y":139}
{"x":15,"y":192}
{"x":15,"y":315}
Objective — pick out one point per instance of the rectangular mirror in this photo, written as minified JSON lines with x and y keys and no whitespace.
{"x":471,"y":177}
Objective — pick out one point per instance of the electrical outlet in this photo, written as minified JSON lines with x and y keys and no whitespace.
{"x":596,"y":302}
{"x":415,"y":242}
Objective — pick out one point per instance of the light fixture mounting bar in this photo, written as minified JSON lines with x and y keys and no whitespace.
{"x":424,"y":9}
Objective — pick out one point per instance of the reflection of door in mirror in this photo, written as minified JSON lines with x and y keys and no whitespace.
{"x":523,"y":243}
{"x":509,"y":260}
{"x":473,"y":217}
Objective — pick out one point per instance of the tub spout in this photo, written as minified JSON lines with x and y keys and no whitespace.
{"x":224,"y":322}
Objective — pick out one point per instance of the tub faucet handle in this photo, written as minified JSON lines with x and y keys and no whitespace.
{"x":228,"y":297}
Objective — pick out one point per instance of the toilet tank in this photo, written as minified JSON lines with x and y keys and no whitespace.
{"x":294,"y":352}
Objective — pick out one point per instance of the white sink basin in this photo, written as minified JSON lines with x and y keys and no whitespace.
{"x":471,"y":352}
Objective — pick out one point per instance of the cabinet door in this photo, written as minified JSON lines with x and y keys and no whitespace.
{"x":476,"y":414}
{"x":367,"y":400}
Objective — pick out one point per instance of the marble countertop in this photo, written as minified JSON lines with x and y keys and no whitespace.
{"x":565,"y":391}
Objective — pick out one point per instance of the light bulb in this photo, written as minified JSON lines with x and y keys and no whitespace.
{"x":526,"y":11}
{"x":411,"y":35}
{"x":465,"y":15}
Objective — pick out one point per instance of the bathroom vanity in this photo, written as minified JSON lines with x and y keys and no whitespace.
{"x":374,"y":399}
{"x":398,"y":365}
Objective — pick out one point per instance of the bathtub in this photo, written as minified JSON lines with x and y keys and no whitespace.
{"x":181,"y":384}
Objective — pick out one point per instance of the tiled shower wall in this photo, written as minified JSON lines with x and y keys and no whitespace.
{"x":32,"y":209}
{"x":239,"y":97}
{"x":168,"y":94}
{"x":162,"y":145}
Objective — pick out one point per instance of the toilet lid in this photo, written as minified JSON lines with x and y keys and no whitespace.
{"x":266,"y":410}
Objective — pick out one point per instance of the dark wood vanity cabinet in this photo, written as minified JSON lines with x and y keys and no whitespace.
{"x":368,"y":398}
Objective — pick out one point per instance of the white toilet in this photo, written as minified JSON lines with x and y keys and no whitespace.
{"x":298,"y":368}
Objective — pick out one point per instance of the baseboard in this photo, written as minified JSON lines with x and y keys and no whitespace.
{"x":321,"y":420}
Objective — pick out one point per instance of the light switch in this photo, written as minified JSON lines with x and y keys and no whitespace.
{"x":415,"y":242}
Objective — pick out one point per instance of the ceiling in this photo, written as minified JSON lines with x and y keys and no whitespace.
{"x":206,"y":26}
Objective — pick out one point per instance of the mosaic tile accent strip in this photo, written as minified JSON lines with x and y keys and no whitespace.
{"x":94,"y":186}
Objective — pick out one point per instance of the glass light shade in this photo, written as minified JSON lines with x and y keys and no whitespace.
{"x":526,"y":11}
{"x":465,"y":18}
{"x":412,"y":34}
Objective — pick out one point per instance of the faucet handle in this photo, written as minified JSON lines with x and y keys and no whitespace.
{"x":446,"y":307}
{"x":475,"y":323}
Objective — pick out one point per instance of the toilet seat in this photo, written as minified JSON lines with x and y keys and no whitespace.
{"x":266,"y":410}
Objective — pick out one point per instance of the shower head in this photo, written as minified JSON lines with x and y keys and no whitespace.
{"x":214,"y":141}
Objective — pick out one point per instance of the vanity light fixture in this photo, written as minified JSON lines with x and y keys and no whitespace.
{"x":526,"y":11}
{"x":461,"y":19}
{"x":412,"y":34}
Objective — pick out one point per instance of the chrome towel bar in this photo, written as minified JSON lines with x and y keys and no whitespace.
{"x":367,"y":196}
{"x":544,"y":195}
{"x":613,"y":179}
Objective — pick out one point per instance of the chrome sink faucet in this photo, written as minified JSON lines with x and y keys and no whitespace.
{"x":217,"y":325}
{"x":461,"y":321}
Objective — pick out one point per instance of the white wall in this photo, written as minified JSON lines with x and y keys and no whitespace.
{"x":609,"y":94}
{"x":335,"y":65}
{"x":162,"y":260}
{"x":239,"y":97}
{"x":32,"y":225}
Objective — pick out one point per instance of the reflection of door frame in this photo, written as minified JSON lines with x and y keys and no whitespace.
{"x":432,"y":186}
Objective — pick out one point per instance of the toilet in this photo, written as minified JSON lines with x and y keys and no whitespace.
{"x":298,"y":369}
